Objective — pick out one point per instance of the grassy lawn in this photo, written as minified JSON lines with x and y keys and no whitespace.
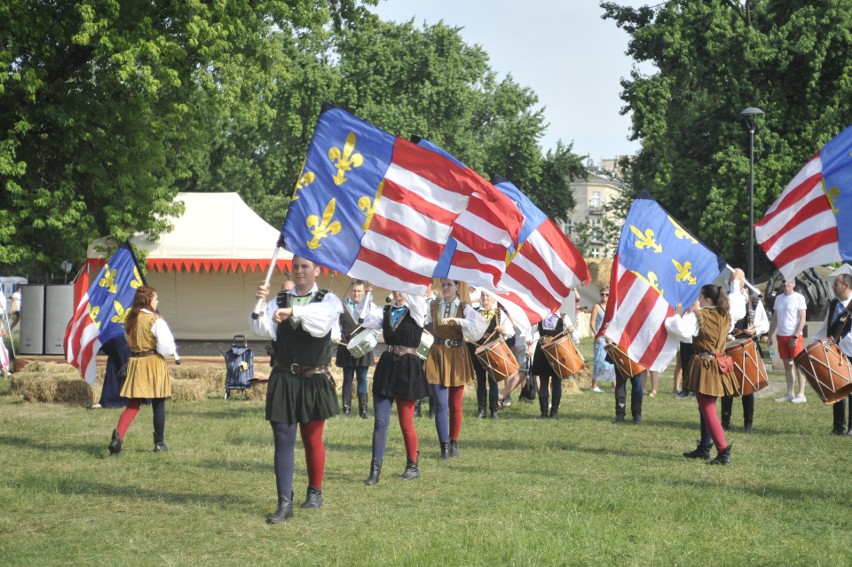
{"x":577,"y":491}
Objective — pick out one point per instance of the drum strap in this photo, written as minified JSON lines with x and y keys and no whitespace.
{"x":840,"y":327}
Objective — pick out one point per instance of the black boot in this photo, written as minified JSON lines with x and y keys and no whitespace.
{"x":115,"y":444}
{"x":375,"y":471}
{"x":700,"y":452}
{"x":620,"y":391}
{"x":542,"y":405}
{"x":554,"y":413}
{"x":411,"y":469}
{"x":159,"y":445}
{"x":636,"y":409}
{"x":727,"y":408}
{"x":723,"y":457}
{"x":347,"y":403}
{"x":839,"y":413}
{"x":445,"y":451}
{"x":493,"y":407}
{"x":313,"y":500}
{"x":417,"y":411}
{"x":454,"y":449}
{"x":284,"y":511}
{"x":362,"y":406}
{"x":481,"y":413}
{"x":748,"y":413}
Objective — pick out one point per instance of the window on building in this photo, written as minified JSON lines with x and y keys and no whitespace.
{"x":567,"y":226}
{"x":596,"y":232}
{"x":595,"y":202}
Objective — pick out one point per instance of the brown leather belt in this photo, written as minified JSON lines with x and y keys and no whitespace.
{"x":400,"y":350}
{"x":142,"y":353}
{"x":299,"y":369}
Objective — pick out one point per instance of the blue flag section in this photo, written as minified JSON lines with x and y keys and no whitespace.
{"x":346,"y":163}
{"x":111,"y":293}
{"x":533,"y":216}
{"x":658,"y":250}
{"x":836,"y":159}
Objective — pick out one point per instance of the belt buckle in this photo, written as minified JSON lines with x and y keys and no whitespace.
{"x":448,"y":343}
{"x":294,"y":368}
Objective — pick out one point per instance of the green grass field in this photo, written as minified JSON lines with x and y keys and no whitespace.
{"x":577,"y":491}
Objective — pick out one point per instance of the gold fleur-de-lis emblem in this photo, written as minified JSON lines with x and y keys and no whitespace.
{"x":369,"y":206}
{"x":646,"y":240}
{"x":306,"y":179}
{"x":683,"y":272}
{"x":108,"y":281}
{"x":322,"y":228}
{"x":93,"y":314}
{"x":136,"y":282}
{"x":120,"y":313}
{"x":651,"y":280}
{"x":510,"y":256}
{"x":345,"y":160}
{"x":831,"y":194}
{"x":680,"y":233}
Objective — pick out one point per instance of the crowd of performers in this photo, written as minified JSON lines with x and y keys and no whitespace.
{"x":308,"y":326}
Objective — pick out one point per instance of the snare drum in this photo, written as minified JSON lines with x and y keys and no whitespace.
{"x":363,"y":343}
{"x":620,"y":360}
{"x":827,"y":370}
{"x":426,"y":340}
{"x":497,"y":357}
{"x":749,"y":371}
{"x":563,"y":356}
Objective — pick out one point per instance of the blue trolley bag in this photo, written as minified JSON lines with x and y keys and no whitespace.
{"x":239,"y":363}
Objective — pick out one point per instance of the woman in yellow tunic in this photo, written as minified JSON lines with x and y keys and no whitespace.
{"x":707,"y":328}
{"x":448,"y":367}
{"x":150,"y":340}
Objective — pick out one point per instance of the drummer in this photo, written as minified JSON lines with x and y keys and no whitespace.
{"x":754,"y":324}
{"x":548,"y":330}
{"x":837,"y":325}
{"x":398,"y":376}
{"x":498,"y":322}
{"x":448,"y":367}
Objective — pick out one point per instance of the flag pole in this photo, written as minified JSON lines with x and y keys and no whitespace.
{"x":745,"y":281}
{"x":257,"y":306}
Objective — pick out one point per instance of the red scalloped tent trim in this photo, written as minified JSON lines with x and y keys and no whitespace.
{"x":205,"y":265}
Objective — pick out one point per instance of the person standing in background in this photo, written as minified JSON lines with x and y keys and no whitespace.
{"x":603,"y":370}
{"x":355,"y":307}
{"x":789,"y":317}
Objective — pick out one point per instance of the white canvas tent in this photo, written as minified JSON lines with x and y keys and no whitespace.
{"x":207,"y":268}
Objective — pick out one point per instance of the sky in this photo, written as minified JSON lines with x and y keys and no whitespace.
{"x":561,"y":49}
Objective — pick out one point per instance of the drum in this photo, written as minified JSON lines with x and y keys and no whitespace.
{"x":497,"y":357}
{"x":749,"y":371}
{"x":363,"y":343}
{"x":827,"y":370}
{"x":426,"y":340}
{"x":620,"y":360}
{"x":563,"y":356}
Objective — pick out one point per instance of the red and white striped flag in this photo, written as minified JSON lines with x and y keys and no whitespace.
{"x":801,"y":228}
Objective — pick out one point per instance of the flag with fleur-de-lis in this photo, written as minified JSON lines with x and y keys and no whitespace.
{"x":658,"y":265}
{"x":99,"y":315}
{"x":378,"y":207}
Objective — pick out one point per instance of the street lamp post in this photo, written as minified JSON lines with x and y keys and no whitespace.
{"x":750,"y":115}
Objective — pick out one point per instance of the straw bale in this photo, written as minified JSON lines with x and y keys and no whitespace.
{"x":257,"y":391}
{"x":53,"y":388}
{"x":45,"y":367}
{"x":213,"y":377}
{"x":188,"y":390}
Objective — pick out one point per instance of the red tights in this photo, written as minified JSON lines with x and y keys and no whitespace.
{"x":311,"y":433}
{"x":456,"y":396}
{"x":127,"y":416}
{"x":707,"y":407}
{"x":405,"y":413}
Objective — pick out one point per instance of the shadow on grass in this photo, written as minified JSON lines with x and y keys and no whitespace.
{"x":784,"y":493}
{"x":61,"y":445}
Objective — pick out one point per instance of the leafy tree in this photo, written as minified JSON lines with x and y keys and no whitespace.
{"x":792,"y":59}
{"x":108,"y":107}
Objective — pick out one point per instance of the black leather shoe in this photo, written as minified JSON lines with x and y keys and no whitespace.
{"x":411,"y":469}
{"x":375,"y":471}
{"x":313,"y":500}
{"x":700,"y":452}
{"x":723,"y":457}
{"x":834,"y":431}
{"x":637,"y":419}
{"x":445,"y":451}
{"x":115,"y":444}
{"x":618,"y":418}
{"x":347,"y":411}
{"x":454,"y":449}
{"x":159,"y":447}
{"x":748,"y":428}
{"x":284,"y":511}
{"x":481,"y":413}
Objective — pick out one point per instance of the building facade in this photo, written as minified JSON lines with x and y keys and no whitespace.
{"x":594,"y":226}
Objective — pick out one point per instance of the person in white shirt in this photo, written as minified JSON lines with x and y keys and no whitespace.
{"x":837,"y":325}
{"x":789,"y":318}
{"x":752,"y":325}
{"x":486,"y":384}
{"x":548,"y":330}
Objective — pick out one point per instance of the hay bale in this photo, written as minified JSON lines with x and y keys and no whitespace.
{"x":257,"y":391}
{"x":50,"y":388}
{"x":212,"y":377}
{"x":188,"y":390}
{"x":44,"y":367}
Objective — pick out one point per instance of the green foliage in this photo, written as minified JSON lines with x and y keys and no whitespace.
{"x":713,"y":59}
